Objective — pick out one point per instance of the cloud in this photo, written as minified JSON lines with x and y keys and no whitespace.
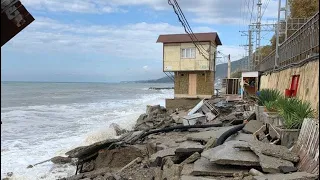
{"x":134,"y":41}
{"x":146,"y":68}
{"x":202,"y":11}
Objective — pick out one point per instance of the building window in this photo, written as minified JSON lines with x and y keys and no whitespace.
{"x":188,"y":53}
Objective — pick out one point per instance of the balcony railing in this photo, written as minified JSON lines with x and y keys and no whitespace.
{"x":301,"y":45}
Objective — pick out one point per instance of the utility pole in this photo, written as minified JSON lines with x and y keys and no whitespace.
{"x":258,"y":32}
{"x":250,"y":63}
{"x":276,"y":61}
{"x":286,"y":19}
{"x":229,"y":67}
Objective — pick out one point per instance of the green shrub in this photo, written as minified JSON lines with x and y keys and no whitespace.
{"x":271,"y":106}
{"x":294,"y":111}
{"x":268,"y":95}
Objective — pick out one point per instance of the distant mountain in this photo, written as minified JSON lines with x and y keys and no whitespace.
{"x":160,"y":80}
{"x":222,"y":69}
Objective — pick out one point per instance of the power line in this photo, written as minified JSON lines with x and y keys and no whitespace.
{"x":184,"y":22}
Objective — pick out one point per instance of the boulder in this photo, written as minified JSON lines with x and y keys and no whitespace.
{"x":226,"y":154}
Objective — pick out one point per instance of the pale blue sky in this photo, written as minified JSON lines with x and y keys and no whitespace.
{"x":115,"y":40}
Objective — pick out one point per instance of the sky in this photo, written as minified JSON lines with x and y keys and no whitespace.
{"x":115,"y":40}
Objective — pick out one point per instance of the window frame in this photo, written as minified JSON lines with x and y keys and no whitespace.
{"x":184,"y":52}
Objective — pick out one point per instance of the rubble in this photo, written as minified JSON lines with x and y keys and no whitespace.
{"x":293,"y":176}
{"x":195,"y":156}
{"x":203,"y":167}
{"x":226,"y":154}
{"x":187,"y":148}
{"x":155,"y":117}
{"x":252,"y":126}
{"x":215,"y":132}
{"x":268,"y":163}
{"x":190,"y":152}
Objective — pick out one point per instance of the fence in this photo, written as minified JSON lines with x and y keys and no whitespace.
{"x":301,"y":45}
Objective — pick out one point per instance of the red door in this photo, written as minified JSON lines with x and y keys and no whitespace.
{"x":294,"y":85}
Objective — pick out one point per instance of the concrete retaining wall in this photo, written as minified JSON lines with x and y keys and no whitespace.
{"x":182,"y":103}
{"x":308,"y":88}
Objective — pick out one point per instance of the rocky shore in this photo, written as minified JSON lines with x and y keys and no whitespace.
{"x":163,"y":147}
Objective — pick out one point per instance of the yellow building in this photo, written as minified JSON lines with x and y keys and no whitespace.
{"x":194,"y":71}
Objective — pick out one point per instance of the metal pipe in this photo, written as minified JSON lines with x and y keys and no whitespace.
{"x":277,"y":37}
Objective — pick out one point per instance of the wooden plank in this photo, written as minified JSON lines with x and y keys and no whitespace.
{"x":192,"y":84}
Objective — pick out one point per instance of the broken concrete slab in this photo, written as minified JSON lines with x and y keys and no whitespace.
{"x":187,"y":169}
{"x":273,"y":150}
{"x":252,"y":126}
{"x":187,"y":148}
{"x":83,"y":151}
{"x":203,"y":167}
{"x":241,"y":137}
{"x":163,"y":153}
{"x":197,"y":118}
{"x":268,"y":163}
{"x":285,"y":169}
{"x":226,"y":154}
{"x":195,"y":178}
{"x":215,"y":132}
{"x":293,"y":176}
{"x":195,"y":156}
{"x":210,"y":144}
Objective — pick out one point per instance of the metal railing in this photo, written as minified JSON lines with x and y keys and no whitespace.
{"x":301,"y":45}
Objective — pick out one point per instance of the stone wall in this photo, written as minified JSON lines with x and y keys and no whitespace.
{"x":308,"y":86}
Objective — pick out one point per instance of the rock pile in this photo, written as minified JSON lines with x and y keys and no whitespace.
{"x":155,"y":117}
{"x":189,"y":154}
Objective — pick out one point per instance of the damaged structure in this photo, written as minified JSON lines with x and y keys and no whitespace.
{"x":193,"y":68}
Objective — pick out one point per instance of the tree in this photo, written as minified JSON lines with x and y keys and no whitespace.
{"x":303,"y":8}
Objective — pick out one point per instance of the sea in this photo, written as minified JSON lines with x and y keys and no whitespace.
{"x":43,"y":120}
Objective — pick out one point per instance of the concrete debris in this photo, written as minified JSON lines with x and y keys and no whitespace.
{"x":195,"y":156}
{"x":255,"y":172}
{"x":203,"y":167}
{"x":163,"y":153}
{"x":195,"y":178}
{"x":87,"y":150}
{"x":155,"y":117}
{"x":215,"y":132}
{"x":61,"y":160}
{"x":118,"y":129}
{"x":226,"y":154}
{"x":293,"y":176}
{"x":252,"y":126}
{"x":187,"y":148}
{"x":287,"y":169}
{"x":171,"y":170}
{"x":268,"y":163}
{"x":210,"y":144}
{"x":117,"y":158}
{"x":210,"y":116}
{"x":197,"y":118}
{"x":241,"y":137}
{"x":187,"y":169}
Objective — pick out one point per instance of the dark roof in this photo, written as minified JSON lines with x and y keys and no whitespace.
{"x":179,"y":38}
